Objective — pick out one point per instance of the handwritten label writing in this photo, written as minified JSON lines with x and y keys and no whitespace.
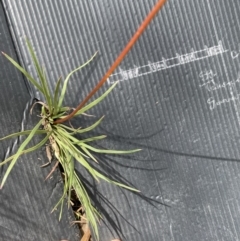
{"x":129,"y":74}
{"x":157,"y":66}
{"x":213,"y":103}
{"x":187,"y":58}
{"x":209,"y":82}
{"x":211,"y":85}
{"x":206,"y":76}
{"x":206,"y":52}
{"x":234,"y":54}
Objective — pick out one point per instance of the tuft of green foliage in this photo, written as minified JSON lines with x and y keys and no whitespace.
{"x":61,"y":139}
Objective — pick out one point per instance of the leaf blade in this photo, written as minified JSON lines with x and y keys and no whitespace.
{"x":25,"y":73}
{"x":68,"y":77}
{"x":109,"y":151}
{"x":20,"y":149}
{"x":89,"y":128}
{"x":21,"y":133}
{"x":33,"y":148}
{"x":96,"y":101}
{"x":41,"y":74}
{"x":55,"y":97}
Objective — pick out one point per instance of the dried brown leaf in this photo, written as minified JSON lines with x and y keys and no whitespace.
{"x":87,"y":233}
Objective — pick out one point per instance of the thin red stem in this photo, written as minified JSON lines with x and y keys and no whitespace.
{"x":119,"y":59}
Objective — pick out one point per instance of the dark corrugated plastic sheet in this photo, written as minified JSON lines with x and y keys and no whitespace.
{"x":26,"y":200}
{"x":178,"y":100}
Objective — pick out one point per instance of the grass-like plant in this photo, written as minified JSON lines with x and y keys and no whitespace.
{"x":62,"y":140}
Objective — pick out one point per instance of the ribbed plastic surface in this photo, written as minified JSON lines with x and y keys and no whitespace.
{"x":178,"y":100}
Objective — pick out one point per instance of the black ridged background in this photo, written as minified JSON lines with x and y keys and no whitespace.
{"x":190,"y":156}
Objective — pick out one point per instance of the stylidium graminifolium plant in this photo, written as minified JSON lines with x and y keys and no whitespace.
{"x":61,"y":140}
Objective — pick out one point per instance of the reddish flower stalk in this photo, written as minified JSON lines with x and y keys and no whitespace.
{"x":119,"y":59}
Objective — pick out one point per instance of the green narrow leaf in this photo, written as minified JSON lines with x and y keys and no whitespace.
{"x":119,"y":184}
{"x":89,"y":154}
{"x":56,"y":95}
{"x":64,"y":160}
{"x":70,"y":177}
{"x":60,"y":115}
{"x":61,"y":209}
{"x":21,"y":133}
{"x":64,"y":109}
{"x":60,"y":201}
{"x":26,"y":74}
{"x":114,"y":182}
{"x":41,"y":74}
{"x":95,"y":102}
{"x":109,"y":151}
{"x":74,"y":131}
{"x":66,"y":138}
{"x":95,"y":138}
{"x":49,"y":95}
{"x":79,"y":157}
{"x":20,"y":149}
{"x":85,"y":164}
{"x":91,"y":213}
{"x":34,"y":148}
{"x":76,"y":154}
{"x":68,"y":77}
